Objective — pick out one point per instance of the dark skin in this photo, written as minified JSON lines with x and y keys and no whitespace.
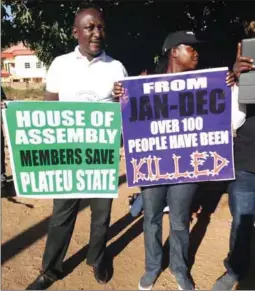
{"x":242,"y":64}
{"x":89,"y":31}
{"x":180,"y":59}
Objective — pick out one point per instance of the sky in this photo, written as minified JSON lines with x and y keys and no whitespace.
{"x":8,"y":11}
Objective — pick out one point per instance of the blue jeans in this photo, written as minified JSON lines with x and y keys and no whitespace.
{"x":179,"y":198}
{"x":137,"y":206}
{"x":242,"y":207}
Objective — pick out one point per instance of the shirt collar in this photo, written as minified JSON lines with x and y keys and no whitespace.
{"x":79,"y":56}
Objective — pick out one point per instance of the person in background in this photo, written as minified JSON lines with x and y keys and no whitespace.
{"x":180,"y":54}
{"x":86,"y":74}
{"x":242,"y":190}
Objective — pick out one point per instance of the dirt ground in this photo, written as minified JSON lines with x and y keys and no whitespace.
{"x":24,"y":230}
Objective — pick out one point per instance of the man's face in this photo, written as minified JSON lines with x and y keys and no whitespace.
{"x":187,"y":57}
{"x":89,"y":30}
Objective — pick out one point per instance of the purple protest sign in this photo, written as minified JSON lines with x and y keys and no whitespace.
{"x":177,"y":128}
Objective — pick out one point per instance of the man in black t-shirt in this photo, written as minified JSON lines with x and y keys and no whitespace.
{"x":241,"y":194}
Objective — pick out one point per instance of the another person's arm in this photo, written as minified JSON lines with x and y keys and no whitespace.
{"x":241,"y":65}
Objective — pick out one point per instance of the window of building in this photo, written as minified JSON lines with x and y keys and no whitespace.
{"x":27,"y":65}
{"x":38,"y":65}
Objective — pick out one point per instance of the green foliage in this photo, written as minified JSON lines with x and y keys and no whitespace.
{"x":136,"y":29}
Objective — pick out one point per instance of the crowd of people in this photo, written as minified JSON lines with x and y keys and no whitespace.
{"x":90,"y":65}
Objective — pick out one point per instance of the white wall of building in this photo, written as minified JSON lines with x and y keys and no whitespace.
{"x":21,"y":71}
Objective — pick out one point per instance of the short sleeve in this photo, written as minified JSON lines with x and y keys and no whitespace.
{"x":124,"y":71}
{"x":120,"y":71}
{"x":52,"y":77}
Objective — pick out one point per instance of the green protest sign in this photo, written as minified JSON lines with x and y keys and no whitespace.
{"x":64,"y":149}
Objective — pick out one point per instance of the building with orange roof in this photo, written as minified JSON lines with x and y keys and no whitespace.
{"x":20,"y":64}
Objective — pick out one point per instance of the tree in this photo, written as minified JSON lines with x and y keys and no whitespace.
{"x":136,"y":29}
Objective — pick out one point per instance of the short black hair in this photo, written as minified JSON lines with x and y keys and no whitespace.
{"x":89,"y":5}
{"x":85,"y":6}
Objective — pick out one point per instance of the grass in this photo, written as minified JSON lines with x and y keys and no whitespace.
{"x":30,"y":94}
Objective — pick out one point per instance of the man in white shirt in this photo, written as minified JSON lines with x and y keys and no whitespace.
{"x":86,"y":74}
